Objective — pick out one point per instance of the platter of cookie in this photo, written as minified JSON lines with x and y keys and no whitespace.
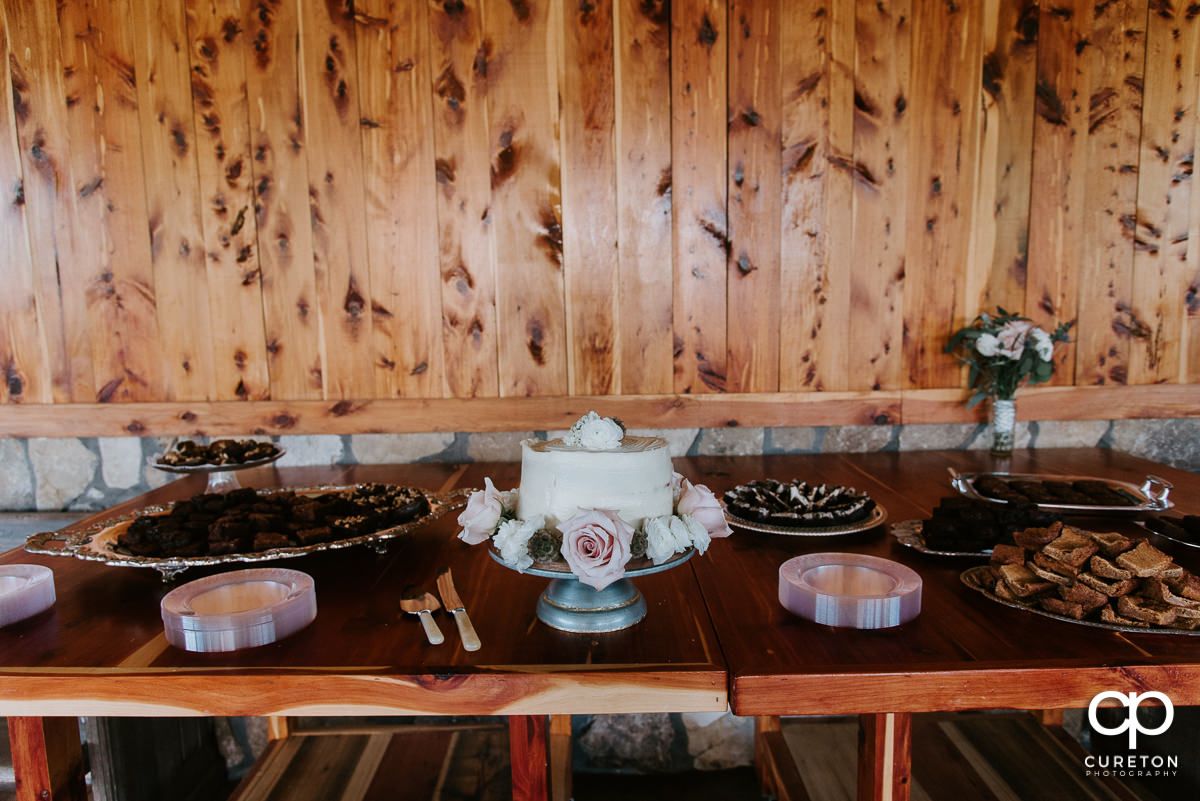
{"x":1100,"y":579}
{"x":796,"y":507}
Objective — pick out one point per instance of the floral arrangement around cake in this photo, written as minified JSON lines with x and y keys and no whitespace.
{"x":596,"y":544}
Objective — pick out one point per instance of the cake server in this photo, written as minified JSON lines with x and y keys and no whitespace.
{"x":422,"y":604}
{"x":454,"y":605}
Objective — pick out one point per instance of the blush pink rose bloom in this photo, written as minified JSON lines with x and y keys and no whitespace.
{"x":1012,"y":338}
{"x":699,"y":502}
{"x":596,"y":546}
{"x":482,"y":515}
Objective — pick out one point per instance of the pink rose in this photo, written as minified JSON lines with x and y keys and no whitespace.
{"x":482,"y":515}
{"x":699,"y":502}
{"x":1012,"y":338}
{"x":596,"y":546}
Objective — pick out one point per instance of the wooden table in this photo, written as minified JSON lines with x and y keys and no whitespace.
{"x":964,"y":651}
{"x":100,"y":650}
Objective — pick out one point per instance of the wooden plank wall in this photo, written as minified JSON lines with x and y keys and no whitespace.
{"x":299,"y":205}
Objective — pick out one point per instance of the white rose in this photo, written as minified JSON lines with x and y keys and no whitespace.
{"x":697,"y":533}
{"x":987,"y":345}
{"x":512,"y":540}
{"x":660,"y":540}
{"x":1042,"y":344}
{"x":595,"y":433}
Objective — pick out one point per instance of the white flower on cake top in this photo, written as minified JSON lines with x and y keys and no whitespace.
{"x":595,"y":499}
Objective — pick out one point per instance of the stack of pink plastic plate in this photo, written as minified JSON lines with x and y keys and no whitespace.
{"x":241,"y":609}
{"x":850,"y":590}
{"x":25,"y":590}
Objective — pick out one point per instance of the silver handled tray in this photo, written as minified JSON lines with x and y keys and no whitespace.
{"x":1149,"y":496}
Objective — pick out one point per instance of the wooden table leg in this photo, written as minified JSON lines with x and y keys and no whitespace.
{"x":560,"y":758}
{"x":884,"y":756}
{"x":527,"y":746}
{"x":47,"y":759}
{"x":773,"y":762}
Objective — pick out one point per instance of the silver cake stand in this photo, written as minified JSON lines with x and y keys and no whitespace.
{"x":568,"y":604}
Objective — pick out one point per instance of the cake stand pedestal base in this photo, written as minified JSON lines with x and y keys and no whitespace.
{"x":570,"y":605}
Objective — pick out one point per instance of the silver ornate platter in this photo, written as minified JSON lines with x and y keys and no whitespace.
{"x":1175,"y":533}
{"x":877,"y":517}
{"x":98,"y":542}
{"x":910,"y":533}
{"x":1150,"y":496}
{"x":973,"y":578}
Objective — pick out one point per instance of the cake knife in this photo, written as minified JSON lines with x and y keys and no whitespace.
{"x":454,"y":605}
{"x":422,"y":604}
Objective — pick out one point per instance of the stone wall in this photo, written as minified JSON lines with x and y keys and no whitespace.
{"x":57,"y":474}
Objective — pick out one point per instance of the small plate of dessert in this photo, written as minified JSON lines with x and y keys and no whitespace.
{"x":796,"y":507}
{"x":1100,"y":579}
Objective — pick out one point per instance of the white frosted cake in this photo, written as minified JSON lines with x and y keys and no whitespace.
{"x":558,"y":479}
{"x":592,"y":501}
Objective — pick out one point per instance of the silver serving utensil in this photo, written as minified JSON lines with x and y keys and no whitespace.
{"x":454,"y":605}
{"x":422,"y":604}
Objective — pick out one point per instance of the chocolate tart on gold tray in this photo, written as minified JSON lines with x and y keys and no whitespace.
{"x":98,"y":542}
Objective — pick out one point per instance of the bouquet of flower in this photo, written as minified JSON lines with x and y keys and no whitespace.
{"x":1004,"y":352}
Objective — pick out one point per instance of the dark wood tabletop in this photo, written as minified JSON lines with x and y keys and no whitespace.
{"x":964,"y":651}
{"x":100,"y":650}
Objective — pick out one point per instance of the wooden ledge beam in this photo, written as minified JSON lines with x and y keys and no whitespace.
{"x":408,"y":415}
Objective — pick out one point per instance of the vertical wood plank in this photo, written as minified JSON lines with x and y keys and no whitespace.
{"x":1160,"y":274}
{"x":465,"y":251}
{"x":397,"y":141}
{"x":834,"y":345}
{"x":885,"y":757}
{"x":700,"y":232}
{"x":1116,"y":63}
{"x":24,"y":365}
{"x":218,"y":44}
{"x":997,"y":268}
{"x":560,"y":757}
{"x":329,"y":88}
{"x":804,"y":83}
{"x":279,"y":166}
{"x":942,"y":148}
{"x":125,"y":328}
{"x":61,"y":223}
{"x":526,"y":211}
{"x":880,"y":184}
{"x":643,"y":146}
{"x":754,"y":187}
{"x":589,"y":198}
{"x":1056,"y":222}
{"x":528,"y":751}
{"x":172,"y":193}
{"x":47,"y":759}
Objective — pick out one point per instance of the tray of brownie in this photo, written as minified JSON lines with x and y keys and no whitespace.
{"x":798,"y":508}
{"x":961,"y":526}
{"x":1067,"y":494}
{"x":248,"y":525}
{"x":1102,"y":579}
